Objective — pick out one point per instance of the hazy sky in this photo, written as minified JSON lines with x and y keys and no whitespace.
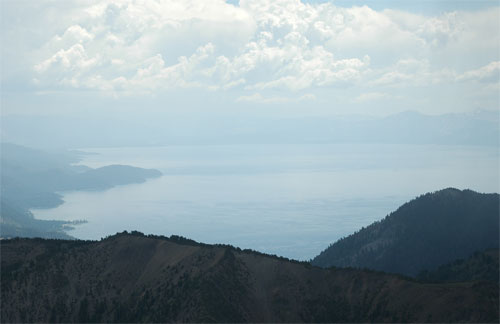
{"x":286,"y":56}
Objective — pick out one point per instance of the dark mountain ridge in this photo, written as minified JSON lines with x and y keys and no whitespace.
{"x":482,"y":265}
{"x":431,"y":230}
{"x":137,"y":278}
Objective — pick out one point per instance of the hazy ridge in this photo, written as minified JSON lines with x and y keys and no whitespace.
{"x":480,"y":128}
{"x":32,"y":178}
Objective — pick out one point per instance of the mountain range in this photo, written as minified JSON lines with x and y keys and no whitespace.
{"x":481,"y":128}
{"x":434,"y":259}
{"x":130,"y":277}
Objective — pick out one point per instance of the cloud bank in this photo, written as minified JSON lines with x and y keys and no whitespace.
{"x":133,"y":47}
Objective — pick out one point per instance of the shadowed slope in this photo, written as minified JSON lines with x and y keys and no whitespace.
{"x":479,"y":266}
{"x":134,"y":278}
{"x":431,"y":230}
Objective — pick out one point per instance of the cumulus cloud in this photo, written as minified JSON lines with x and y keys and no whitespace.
{"x":136,"y":47}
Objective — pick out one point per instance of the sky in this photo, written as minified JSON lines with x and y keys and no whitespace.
{"x":277,"y":57}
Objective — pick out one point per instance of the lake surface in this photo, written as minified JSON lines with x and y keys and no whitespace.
{"x":289,"y":200}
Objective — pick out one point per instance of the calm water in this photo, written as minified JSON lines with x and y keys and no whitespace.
{"x":290,"y":200}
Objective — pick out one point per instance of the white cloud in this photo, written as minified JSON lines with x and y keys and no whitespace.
{"x":489,"y":73}
{"x":73,"y":35}
{"x":412,"y":73}
{"x":73,"y":60}
{"x":137,"y":47}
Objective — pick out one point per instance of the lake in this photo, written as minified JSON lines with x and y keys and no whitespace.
{"x":289,"y":200}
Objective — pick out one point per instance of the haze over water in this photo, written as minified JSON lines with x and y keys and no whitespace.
{"x":149,"y":73}
{"x":289,"y":200}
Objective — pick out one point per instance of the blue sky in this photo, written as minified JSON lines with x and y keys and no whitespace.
{"x":428,"y":7}
{"x":277,"y":57}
